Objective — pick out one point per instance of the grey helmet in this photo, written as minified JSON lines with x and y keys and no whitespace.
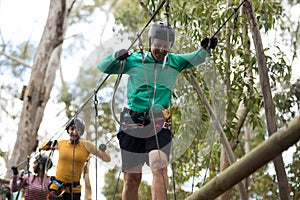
{"x":78,"y":123}
{"x":44,"y":160}
{"x":163,"y":31}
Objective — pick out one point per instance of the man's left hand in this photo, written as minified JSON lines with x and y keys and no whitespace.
{"x":209,"y":43}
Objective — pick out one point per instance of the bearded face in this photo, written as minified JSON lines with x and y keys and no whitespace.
{"x":74,"y":133}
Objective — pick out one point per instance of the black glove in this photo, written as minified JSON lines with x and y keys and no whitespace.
{"x":122,"y":54}
{"x":15,"y":170}
{"x":209,"y":43}
{"x":102,"y":147}
{"x":49,"y":143}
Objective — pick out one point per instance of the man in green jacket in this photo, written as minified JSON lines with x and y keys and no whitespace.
{"x":145,"y":126}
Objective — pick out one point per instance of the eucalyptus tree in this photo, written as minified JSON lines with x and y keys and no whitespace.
{"x":37,"y":92}
{"x":46,"y":61}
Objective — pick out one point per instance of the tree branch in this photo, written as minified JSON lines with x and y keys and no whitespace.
{"x":261,"y":155}
{"x":15,"y":59}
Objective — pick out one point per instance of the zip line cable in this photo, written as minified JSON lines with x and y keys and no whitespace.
{"x":235,"y":11}
{"x":218,"y":30}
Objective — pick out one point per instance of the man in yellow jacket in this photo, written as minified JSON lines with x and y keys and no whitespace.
{"x":72,"y":155}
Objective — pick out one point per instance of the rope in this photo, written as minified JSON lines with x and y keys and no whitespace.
{"x":173,"y":169}
{"x":116,"y":188}
{"x":96,"y":132}
{"x":158,"y":148}
{"x":147,"y":24}
{"x":88,"y":99}
{"x":73,"y":163}
{"x":224,"y":23}
{"x":120,"y":76}
{"x":167,"y":12}
{"x":235,"y":10}
{"x":118,"y":80}
{"x":196,"y":154}
{"x":152,"y":102}
{"x":73,"y":166}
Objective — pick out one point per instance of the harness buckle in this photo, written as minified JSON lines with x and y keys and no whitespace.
{"x":167,"y":126}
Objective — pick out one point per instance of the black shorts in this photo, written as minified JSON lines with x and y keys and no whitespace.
{"x":135,"y":150}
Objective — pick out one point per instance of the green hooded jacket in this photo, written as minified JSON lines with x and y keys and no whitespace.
{"x":150,"y":83}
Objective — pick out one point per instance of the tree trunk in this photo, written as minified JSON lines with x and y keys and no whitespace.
{"x":37,"y":94}
{"x":268,"y":101}
{"x":261,"y":155}
{"x":227,"y":146}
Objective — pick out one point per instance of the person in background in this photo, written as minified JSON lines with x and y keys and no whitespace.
{"x":5,"y":193}
{"x":72,"y":156}
{"x":33,"y":186}
{"x":145,"y":127}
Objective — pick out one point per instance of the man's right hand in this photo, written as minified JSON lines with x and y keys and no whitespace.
{"x":122,"y":54}
{"x":15,"y":170}
{"x":48,"y":145}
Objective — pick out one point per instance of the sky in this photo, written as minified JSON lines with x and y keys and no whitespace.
{"x":21,"y":20}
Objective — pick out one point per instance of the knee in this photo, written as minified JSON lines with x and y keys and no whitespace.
{"x":158,"y":160}
{"x":132,"y":180}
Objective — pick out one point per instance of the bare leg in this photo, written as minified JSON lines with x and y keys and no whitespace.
{"x":158,"y":163}
{"x":132,"y":180}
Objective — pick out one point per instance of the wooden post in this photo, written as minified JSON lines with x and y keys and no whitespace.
{"x":261,"y":155}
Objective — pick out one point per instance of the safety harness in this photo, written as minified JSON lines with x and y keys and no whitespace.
{"x":141,"y":124}
{"x":61,"y":187}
